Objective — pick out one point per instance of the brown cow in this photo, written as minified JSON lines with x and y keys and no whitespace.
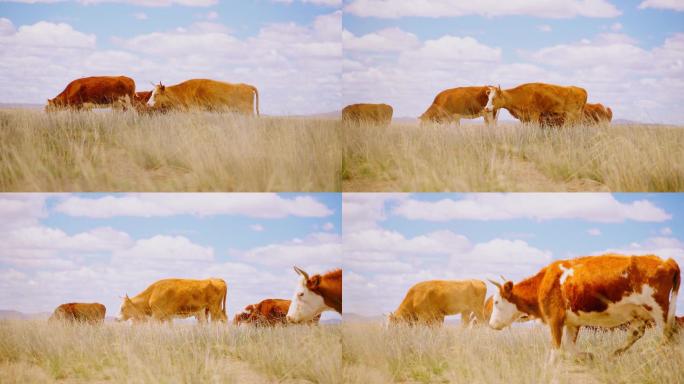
{"x":380,"y":114}
{"x":428,"y":302}
{"x":545,"y":104}
{"x":267,"y":312}
{"x":596,"y":114}
{"x":454,"y":104}
{"x":169,"y":298}
{"x":92,"y":313}
{"x":315,"y":295}
{"x":206,"y":94}
{"x":89,"y":92}
{"x":603,"y":291}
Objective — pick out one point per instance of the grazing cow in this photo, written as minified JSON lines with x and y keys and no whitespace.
{"x":545,"y":104}
{"x":428,"y":302}
{"x":142,"y":97}
{"x":170,"y":298}
{"x":316,"y":294}
{"x":89,"y":92}
{"x":603,"y":291}
{"x":206,"y":94}
{"x":267,"y":312}
{"x":454,"y":104}
{"x":596,"y":114}
{"x":380,"y":114}
{"x":93,"y":313}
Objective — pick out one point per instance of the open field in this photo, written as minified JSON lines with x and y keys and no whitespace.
{"x":32,"y":351}
{"x":404,"y":354}
{"x":123,"y":151}
{"x":512,"y":157}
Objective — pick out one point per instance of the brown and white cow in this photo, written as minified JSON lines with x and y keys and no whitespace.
{"x":315,"y":295}
{"x":596,"y":114}
{"x":544,"y":104}
{"x":380,"y":114}
{"x":89,"y":92}
{"x":167,"y":299}
{"x":207,"y":95}
{"x":428,"y":302}
{"x":454,"y":104}
{"x":268,"y":312}
{"x":93,"y":313}
{"x":602,"y":291}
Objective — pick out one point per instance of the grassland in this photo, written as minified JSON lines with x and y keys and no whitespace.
{"x":372,"y":354}
{"x":512,"y":157}
{"x":33,"y":351}
{"x":196,"y":151}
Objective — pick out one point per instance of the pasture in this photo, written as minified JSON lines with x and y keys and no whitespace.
{"x":512,"y":157}
{"x":403,"y":354}
{"x":176,"y":151}
{"x":33,"y":351}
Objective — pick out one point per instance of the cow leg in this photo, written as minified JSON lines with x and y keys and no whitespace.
{"x":556,"y":327}
{"x":571,"y":333}
{"x":636,"y":330}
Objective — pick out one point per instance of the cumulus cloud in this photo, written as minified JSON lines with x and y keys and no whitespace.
{"x":662,"y":4}
{"x":317,"y":251}
{"x":488,"y":8}
{"x":141,"y":3}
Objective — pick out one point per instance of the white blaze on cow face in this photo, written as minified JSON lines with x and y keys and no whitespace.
{"x":150,"y":102}
{"x":504,"y":313}
{"x":305,"y":304}
{"x":491,"y":93}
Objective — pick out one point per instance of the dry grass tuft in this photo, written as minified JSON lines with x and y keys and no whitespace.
{"x":195,"y":151}
{"x":38,"y":352}
{"x":512,"y":157}
{"x":372,"y":354}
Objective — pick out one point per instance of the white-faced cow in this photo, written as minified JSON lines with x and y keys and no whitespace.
{"x":315,"y":295}
{"x":454,"y":104}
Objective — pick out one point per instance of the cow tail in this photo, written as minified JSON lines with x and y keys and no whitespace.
{"x":610,"y":114}
{"x":676,"y":281}
{"x":256,"y":95}
{"x":223,"y":305}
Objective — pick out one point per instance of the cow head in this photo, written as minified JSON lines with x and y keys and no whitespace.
{"x":130,"y":311}
{"x":158,"y":97}
{"x":504,"y":312}
{"x":434,"y":115}
{"x":494,"y":98}
{"x":51,"y":105}
{"x":306,"y":303}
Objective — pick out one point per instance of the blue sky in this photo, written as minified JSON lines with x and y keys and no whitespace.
{"x":291,"y":51}
{"x":627,"y":54}
{"x":392,"y":241}
{"x":55,"y":245}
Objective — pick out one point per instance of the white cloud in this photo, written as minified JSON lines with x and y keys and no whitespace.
{"x":384,"y":40}
{"x":141,"y":3}
{"x":256,"y":227}
{"x":597,"y":207}
{"x":318,"y":251}
{"x":544,"y":28}
{"x":169,"y":248}
{"x":364,"y":210}
{"x":675,"y":5}
{"x":6,"y":27}
{"x":616,"y":27}
{"x":488,"y":8}
{"x":213,"y":15}
{"x":21,"y":210}
{"x":666,"y":231}
{"x":328,"y":3}
{"x":328,"y":226}
{"x":140,"y":16}
{"x":262,"y":205}
{"x":594,"y":232}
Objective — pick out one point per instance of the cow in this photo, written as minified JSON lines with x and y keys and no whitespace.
{"x":596,"y":114}
{"x":315,"y":295}
{"x":206,"y":94}
{"x":489,"y":307}
{"x":268,"y":312}
{"x":89,"y":92}
{"x":380,"y":114}
{"x":167,"y":299}
{"x":544,"y":104}
{"x":454,"y":104}
{"x":428,"y":302}
{"x":92,"y":313}
{"x":604,"y":291}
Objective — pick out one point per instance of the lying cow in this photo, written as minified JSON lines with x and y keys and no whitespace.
{"x":428,"y":302}
{"x":602,"y":291}
{"x":454,"y":104}
{"x":267,"y":312}
{"x":315,"y":295}
{"x":206,"y":94}
{"x":97,"y":91}
{"x":167,"y":299}
{"x":93,"y":313}
{"x":380,"y":114}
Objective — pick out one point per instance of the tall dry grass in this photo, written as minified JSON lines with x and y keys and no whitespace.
{"x":177,"y":151}
{"x":405,"y":354}
{"x":37,"y":352}
{"x":512,"y":157}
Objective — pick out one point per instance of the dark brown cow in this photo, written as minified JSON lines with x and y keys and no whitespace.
{"x":267,"y":312}
{"x":454,"y":104}
{"x":316,"y":294}
{"x":90,"y":92}
{"x":380,"y":114}
{"x":92,"y":313}
{"x":596,"y":114}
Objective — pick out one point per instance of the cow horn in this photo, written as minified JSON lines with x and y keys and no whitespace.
{"x":301,"y":272}
{"x":497,"y":284}
{"x":503,"y":278}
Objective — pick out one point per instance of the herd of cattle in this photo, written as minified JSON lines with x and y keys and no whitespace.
{"x":205,"y":300}
{"x":544,"y":104}
{"x":598,"y":292}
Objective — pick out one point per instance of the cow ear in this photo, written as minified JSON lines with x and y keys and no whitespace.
{"x":507,"y":289}
{"x":314,"y":282}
